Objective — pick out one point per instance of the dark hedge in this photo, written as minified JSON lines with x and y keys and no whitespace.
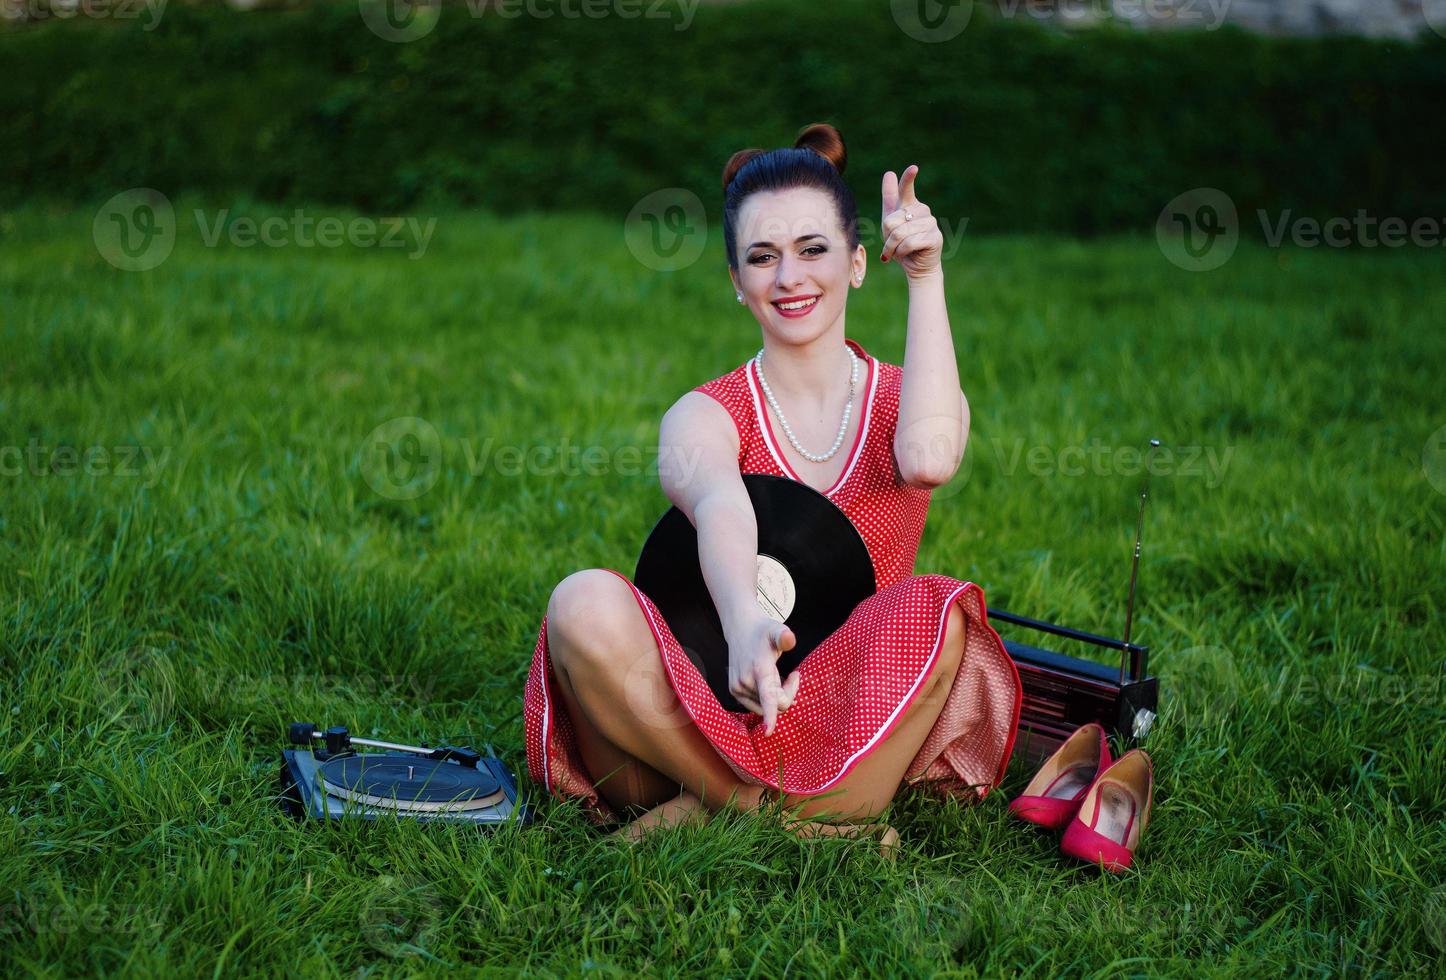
{"x":1016,"y":127}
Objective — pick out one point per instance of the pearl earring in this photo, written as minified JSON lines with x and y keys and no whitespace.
{"x":740,"y":297}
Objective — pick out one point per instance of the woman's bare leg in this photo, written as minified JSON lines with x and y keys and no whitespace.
{"x":872,"y":783}
{"x":683,"y":808}
{"x":625,"y":713}
{"x":627,"y":716}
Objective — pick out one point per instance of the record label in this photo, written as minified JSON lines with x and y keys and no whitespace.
{"x":776,"y":593}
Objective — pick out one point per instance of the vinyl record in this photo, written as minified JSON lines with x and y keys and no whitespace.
{"x":813,"y":569}
{"x":409,"y":783}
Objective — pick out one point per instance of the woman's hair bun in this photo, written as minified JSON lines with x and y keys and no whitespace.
{"x":736,"y":162}
{"x":822,"y":138}
{"x":826,"y":141}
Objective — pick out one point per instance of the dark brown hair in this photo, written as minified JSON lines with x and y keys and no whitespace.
{"x":816,"y":159}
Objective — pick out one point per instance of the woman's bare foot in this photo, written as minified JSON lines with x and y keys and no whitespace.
{"x":887,"y":836}
{"x":681,"y":809}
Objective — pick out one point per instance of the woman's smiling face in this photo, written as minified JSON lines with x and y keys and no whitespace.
{"x":794,"y":262}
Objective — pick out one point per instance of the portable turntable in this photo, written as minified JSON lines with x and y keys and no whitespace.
{"x":326,"y":778}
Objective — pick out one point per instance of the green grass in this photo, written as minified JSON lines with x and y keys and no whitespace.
{"x":161,"y":627}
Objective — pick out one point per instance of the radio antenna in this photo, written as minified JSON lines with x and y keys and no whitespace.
{"x":1135,"y":562}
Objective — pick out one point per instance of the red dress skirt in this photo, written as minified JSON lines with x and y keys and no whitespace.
{"x":856,"y":685}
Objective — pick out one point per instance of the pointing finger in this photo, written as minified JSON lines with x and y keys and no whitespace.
{"x":768,"y":695}
{"x":891,"y":192}
{"x":790,"y":689}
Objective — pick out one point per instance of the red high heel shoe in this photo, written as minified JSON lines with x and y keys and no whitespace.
{"x":1054,"y":795}
{"x":1118,"y":808}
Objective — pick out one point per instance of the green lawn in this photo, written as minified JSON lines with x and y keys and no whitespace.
{"x":209,"y":560}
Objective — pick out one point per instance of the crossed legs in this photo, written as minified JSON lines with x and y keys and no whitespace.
{"x":643,"y":751}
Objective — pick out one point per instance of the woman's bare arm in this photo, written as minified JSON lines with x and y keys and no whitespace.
{"x":933,"y":424}
{"x":698,"y":469}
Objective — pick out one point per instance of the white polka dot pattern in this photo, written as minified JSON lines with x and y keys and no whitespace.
{"x":857,"y":684}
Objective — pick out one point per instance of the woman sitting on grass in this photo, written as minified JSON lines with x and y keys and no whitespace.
{"x":915,"y":687}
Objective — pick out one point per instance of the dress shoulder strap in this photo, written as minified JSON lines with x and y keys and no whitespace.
{"x":731,"y":391}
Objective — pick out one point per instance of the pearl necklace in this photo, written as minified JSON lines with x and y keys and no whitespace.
{"x":788,"y":430}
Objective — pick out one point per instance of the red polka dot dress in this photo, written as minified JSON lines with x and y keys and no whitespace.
{"x":856,"y":685}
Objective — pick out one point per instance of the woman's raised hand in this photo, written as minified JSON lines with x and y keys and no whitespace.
{"x":753,"y":652}
{"x":912,"y":239}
